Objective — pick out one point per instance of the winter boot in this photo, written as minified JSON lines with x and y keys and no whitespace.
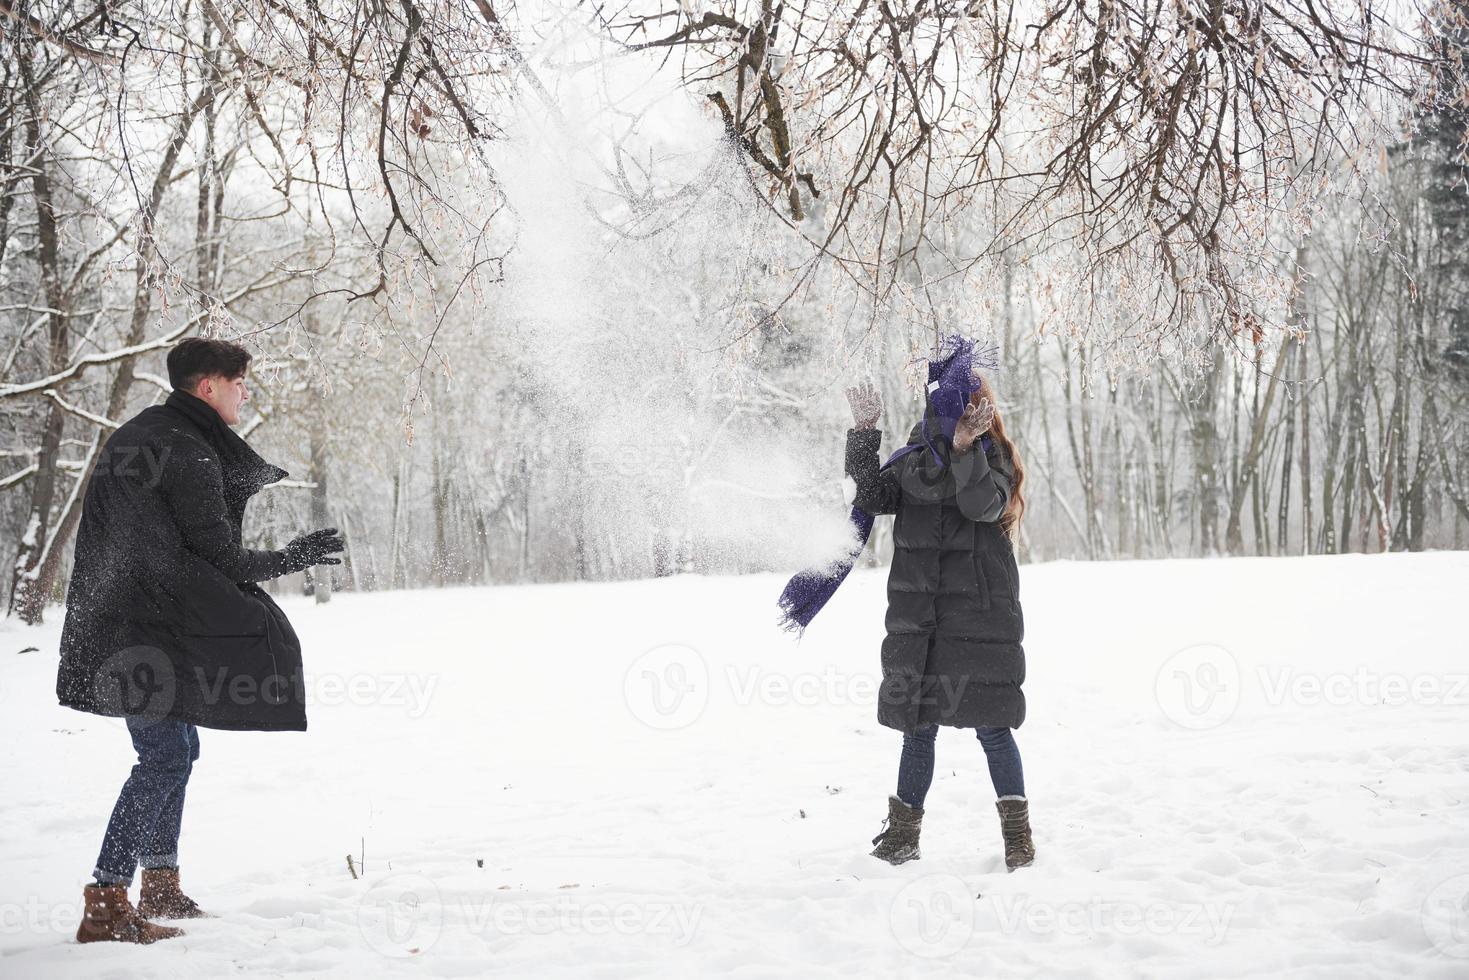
{"x":898,"y":841}
{"x":161,"y":897}
{"x":110,"y":917}
{"x":1015,"y":826}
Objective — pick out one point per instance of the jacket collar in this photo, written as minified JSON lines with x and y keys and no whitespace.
{"x":235,"y":453}
{"x":197,"y":410}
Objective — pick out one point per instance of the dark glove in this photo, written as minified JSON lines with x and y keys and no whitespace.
{"x":312,"y":549}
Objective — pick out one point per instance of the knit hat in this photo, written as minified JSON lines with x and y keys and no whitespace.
{"x":953,"y":376}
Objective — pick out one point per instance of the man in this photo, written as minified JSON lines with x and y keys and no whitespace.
{"x":165,"y":625}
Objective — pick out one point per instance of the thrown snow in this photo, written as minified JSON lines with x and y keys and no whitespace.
{"x":1237,"y":767}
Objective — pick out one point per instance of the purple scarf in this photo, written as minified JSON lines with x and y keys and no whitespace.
{"x":809,"y":590}
{"x":952,"y":378}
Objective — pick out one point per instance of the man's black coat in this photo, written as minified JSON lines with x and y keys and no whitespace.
{"x":953,"y":653}
{"x":163,"y":616}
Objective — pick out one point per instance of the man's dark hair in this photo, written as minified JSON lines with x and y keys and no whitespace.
{"x":195,"y":359}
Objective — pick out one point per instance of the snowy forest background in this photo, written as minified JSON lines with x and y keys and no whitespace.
{"x":546,"y":292}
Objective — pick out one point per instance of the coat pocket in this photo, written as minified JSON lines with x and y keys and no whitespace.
{"x":997,"y":572}
{"x":234,"y":673}
{"x":982,"y":580}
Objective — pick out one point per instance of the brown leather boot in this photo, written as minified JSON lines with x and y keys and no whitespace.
{"x":1015,"y":826}
{"x":161,"y":897}
{"x":110,"y":918}
{"x":898,"y":841}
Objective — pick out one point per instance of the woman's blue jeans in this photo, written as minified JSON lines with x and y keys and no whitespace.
{"x":915,"y":769}
{"x":144,"y":828}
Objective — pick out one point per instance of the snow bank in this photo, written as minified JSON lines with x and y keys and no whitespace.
{"x":1245,"y":767}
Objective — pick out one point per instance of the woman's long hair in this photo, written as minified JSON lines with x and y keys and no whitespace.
{"x":1010,"y":520}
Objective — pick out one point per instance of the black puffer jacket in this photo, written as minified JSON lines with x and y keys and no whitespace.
{"x":163,"y":616}
{"x":953,"y":653}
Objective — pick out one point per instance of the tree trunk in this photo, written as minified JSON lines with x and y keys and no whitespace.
{"x":27,"y":592}
{"x":321,"y":575}
{"x":1250,"y":467}
{"x":1307,"y":528}
{"x":39,"y":579}
{"x":1204,"y":433}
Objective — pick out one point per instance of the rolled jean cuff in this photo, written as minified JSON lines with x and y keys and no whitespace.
{"x":110,"y":878}
{"x":154,"y":861}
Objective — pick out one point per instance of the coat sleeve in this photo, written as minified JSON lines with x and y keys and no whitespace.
{"x":877,"y":489}
{"x":980,"y":484}
{"x":193,"y":487}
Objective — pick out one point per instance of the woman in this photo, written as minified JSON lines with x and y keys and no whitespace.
{"x":952,"y":655}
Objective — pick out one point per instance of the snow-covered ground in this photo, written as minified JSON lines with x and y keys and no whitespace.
{"x":1242,"y":767}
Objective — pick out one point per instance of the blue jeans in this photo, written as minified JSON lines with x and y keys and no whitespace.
{"x":144,"y":829}
{"x":915,"y":769}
